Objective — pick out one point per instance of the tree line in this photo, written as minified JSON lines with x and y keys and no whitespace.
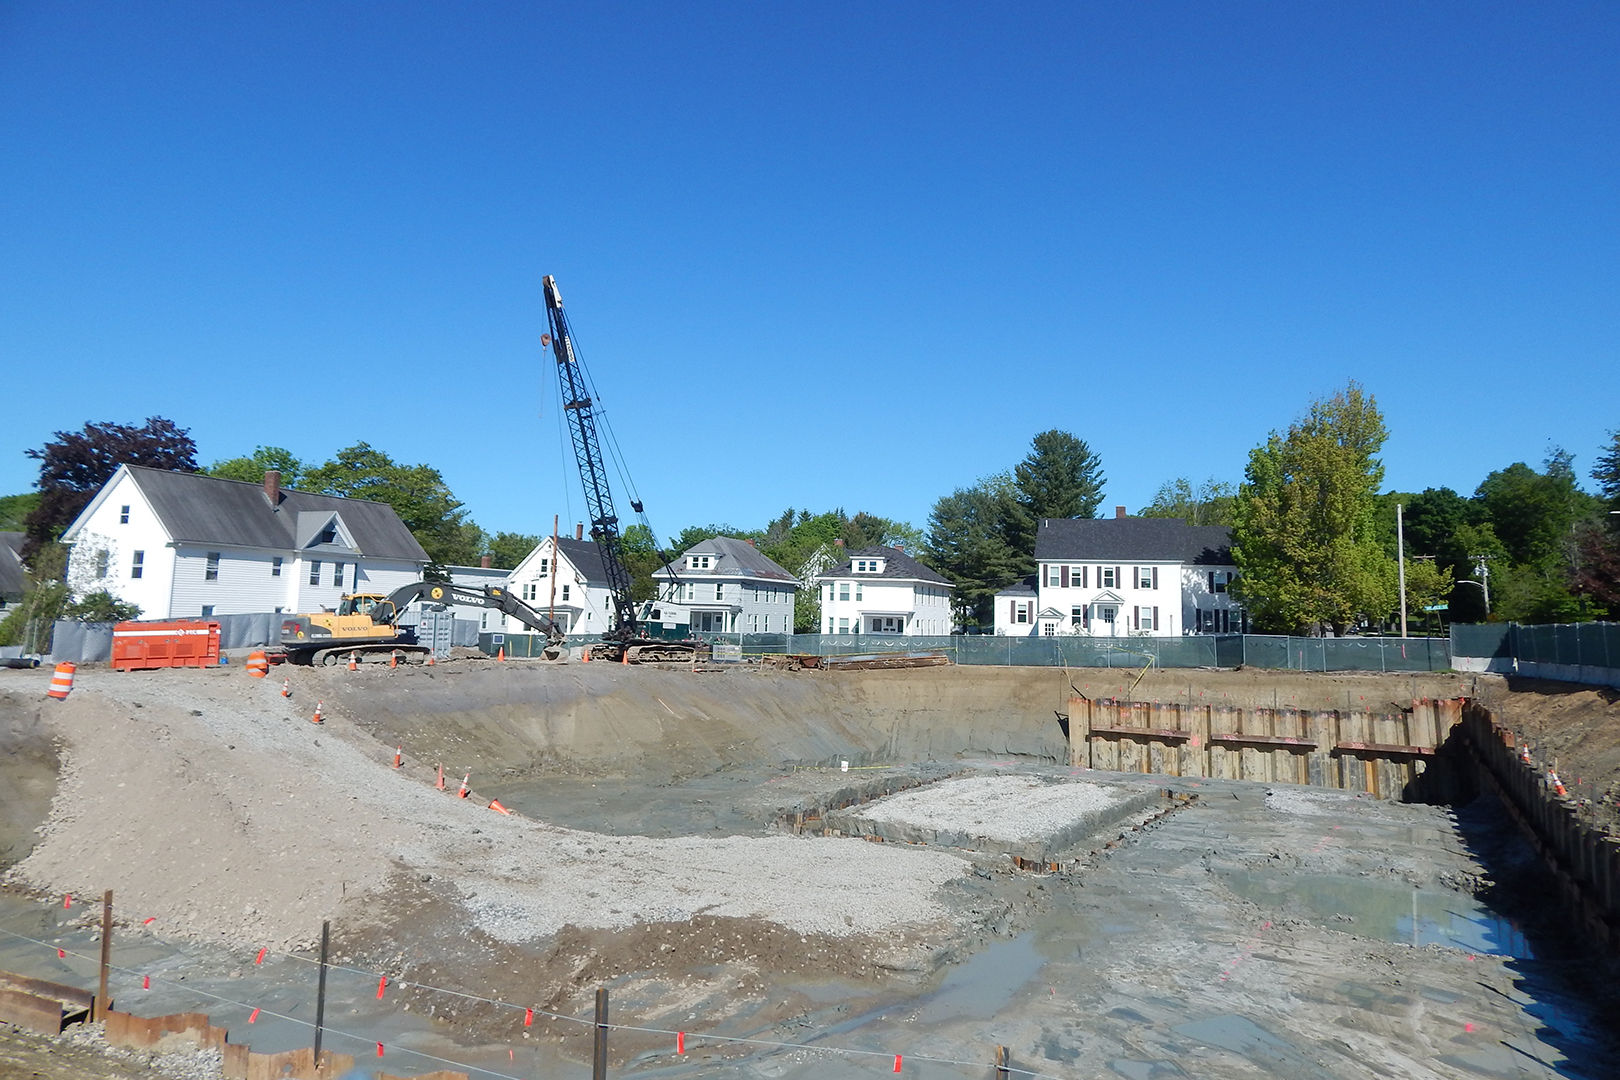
{"x":1313,"y":533}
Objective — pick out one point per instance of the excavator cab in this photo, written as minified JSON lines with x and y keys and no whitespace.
{"x":359,"y":604}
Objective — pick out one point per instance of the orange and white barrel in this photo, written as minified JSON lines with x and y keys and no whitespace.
{"x":62,"y":681}
{"x":258,"y":665}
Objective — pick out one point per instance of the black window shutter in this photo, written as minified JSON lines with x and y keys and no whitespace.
{"x":1156,"y":625}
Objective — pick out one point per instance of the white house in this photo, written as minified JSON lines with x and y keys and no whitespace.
{"x":882,"y":590}
{"x":1119,"y":576}
{"x":724,"y":585}
{"x":567,"y":582}
{"x":183,"y":545}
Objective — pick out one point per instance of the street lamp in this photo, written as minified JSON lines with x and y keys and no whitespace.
{"x":1482,"y":585}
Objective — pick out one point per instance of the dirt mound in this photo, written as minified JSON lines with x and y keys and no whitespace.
{"x":1578,"y":726}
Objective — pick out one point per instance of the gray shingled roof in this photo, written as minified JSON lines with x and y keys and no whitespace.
{"x":1025,"y":587}
{"x":586,"y":557}
{"x":209,"y":510}
{"x":11,"y":568}
{"x":1147,"y":539}
{"x":897,"y":564}
{"x":735,"y":557}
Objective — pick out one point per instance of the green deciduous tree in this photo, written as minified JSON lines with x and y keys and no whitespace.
{"x":263,"y":459}
{"x":1209,"y":503}
{"x":14,"y":510}
{"x":507,"y":549}
{"x":1303,"y":534}
{"x":417,"y":493}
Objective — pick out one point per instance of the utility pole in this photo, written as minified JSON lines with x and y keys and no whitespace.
{"x":1400,"y":550}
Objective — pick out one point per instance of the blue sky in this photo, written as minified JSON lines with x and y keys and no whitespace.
{"x":815,"y":255}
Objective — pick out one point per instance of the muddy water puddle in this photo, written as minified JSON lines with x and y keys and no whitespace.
{"x":1387,"y":910}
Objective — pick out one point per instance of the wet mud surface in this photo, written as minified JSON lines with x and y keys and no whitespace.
{"x":1254,"y":932}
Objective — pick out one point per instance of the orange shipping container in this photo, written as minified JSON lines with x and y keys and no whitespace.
{"x":138,"y":646}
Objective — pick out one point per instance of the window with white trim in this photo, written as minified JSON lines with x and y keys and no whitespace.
{"x":337,"y":574}
{"x":859,"y":592}
{"x":843,"y":590}
{"x":123,"y":515}
{"x":102,"y":558}
{"x":719,"y":591}
{"x":868,"y":566}
{"x":1147,"y":577}
{"x":315,"y":572}
{"x":137,"y":563}
{"x":211,"y":567}
{"x":565,"y":594}
{"x":698,"y":562}
{"x":275,"y":566}
{"x":1108,"y":577}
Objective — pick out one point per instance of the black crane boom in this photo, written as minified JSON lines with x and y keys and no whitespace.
{"x":578,"y":407}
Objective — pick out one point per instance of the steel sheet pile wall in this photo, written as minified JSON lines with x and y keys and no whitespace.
{"x":1585,"y":861}
{"x":1383,"y":755}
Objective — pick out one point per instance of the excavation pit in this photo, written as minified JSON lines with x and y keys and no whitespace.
{"x":1031,"y":817}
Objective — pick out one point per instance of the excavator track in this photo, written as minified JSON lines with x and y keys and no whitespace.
{"x":368,"y":654}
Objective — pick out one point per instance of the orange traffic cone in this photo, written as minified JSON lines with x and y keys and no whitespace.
{"x":430,"y":659}
{"x":398,"y":754}
{"x":440,"y":784}
{"x":462,"y":794}
{"x":393,"y":658}
{"x":500,"y":653}
{"x":353,"y":665}
{"x":495,"y":805}
{"x":1524,"y":753}
{"x":585,"y":655}
{"x":1557,"y":784}
{"x":318,"y":718}
{"x":286,"y":688}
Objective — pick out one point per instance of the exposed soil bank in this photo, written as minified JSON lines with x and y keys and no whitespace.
{"x":522,"y":719}
{"x":28,"y":768}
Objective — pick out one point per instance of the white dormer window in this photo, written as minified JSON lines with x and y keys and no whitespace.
{"x":869,"y":566}
{"x":698,"y":562}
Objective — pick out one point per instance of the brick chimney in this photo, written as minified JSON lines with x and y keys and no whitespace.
{"x":1119,"y":512}
{"x":839,"y":541}
{"x":483,"y":562}
{"x":579,"y":530}
{"x":750,"y":543}
{"x":272,"y":488}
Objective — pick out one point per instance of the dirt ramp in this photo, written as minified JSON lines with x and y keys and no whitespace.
{"x":28,"y":770}
{"x":665,"y":724}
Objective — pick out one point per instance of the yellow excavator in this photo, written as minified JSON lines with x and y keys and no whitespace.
{"x":367,"y":624}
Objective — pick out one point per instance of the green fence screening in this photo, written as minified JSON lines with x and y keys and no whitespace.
{"x":1575,"y":644}
{"x":1200,"y":650}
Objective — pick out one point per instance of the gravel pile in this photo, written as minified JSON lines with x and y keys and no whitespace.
{"x":1009,"y":809}
{"x":210,"y":803}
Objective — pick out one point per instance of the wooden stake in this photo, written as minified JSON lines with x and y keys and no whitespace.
{"x":320,"y":990}
{"x":102,"y":1004}
{"x":599,"y":1061}
{"x":1003,"y":1060}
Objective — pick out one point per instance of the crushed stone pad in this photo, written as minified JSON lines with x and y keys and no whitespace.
{"x":1029,"y":816}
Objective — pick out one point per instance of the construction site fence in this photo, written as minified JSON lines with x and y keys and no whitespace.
{"x":1205,"y":650}
{"x":84,"y":643}
{"x":1571,"y":652}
